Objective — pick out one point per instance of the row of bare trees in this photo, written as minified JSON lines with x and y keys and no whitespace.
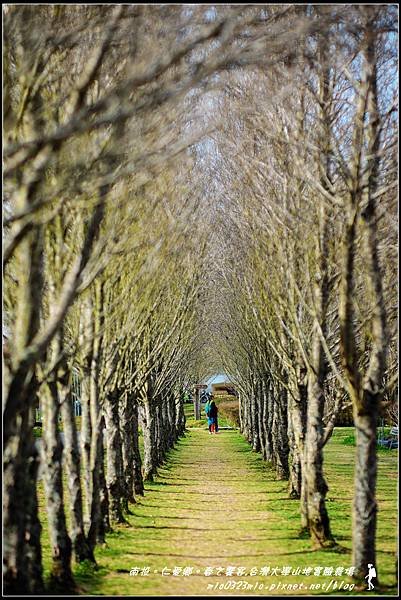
{"x":307,"y":303}
{"x":101,"y":273}
{"x":113,"y":255}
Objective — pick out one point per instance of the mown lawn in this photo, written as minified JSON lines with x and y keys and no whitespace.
{"x":216,"y":504}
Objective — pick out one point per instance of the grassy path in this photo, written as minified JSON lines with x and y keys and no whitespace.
{"x":216,"y":504}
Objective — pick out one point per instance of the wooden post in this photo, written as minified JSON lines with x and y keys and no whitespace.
{"x":197,"y":404}
{"x":197,"y":407}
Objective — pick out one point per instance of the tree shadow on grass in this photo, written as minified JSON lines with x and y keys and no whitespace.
{"x":227,"y":480}
{"x":171,"y":482}
{"x":198,"y":493}
{"x":88,"y":576}
{"x":191,"y":508}
{"x":183,"y":508}
{"x":156,"y":483}
{"x":223,"y":557}
{"x":138,"y":526}
{"x":181,"y":517}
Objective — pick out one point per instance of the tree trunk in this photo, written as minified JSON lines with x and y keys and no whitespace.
{"x":149,"y":441}
{"x":366,"y":407}
{"x":72,"y":464}
{"x":365,"y":393}
{"x":137,"y":461}
{"x":280,"y":435}
{"x":22,"y":551}
{"x":33,"y":526}
{"x":98,"y":506}
{"x":104,"y":515}
{"x":295,"y":479}
{"x":259,"y":404}
{"x":318,"y":518}
{"x":21,"y":576}
{"x":269,"y":421}
{"x":180,"y":415}
{"x":160,"y":430}
{"x":86,"y":435}
{"x":253,"y":413}
{"x":114,"y":457}
{"x":197,"y":405}
{"x":267,"y":450}
{"x":248,"y":416}
{"x":298,"y":408}
{"x":172,"y":415}
{"x":241,"y":413}
{"x":364,"y":503}
{"x":126,"y":411}
{"x":170,"y":436}
{"x":97,"y":529}
{"x":61,"y":575}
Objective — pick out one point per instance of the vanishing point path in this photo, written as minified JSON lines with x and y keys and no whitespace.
{"x":214,"y":504}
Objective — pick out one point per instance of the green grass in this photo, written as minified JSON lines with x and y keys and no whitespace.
{"x":216,"y":503}
{"x":190,"y":420}
{"x":349,"y":438}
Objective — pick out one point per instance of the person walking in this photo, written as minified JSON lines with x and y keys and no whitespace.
{"x":209,"y":419}
{"x":213,"y":416}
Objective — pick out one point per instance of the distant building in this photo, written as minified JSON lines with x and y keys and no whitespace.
{"x":220,"y":385}
{"x":223,"y":389}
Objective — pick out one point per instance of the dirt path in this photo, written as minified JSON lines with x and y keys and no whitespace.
{"x":215,"y":504}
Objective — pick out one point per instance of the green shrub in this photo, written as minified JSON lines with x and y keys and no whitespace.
{"x":229,"y":408}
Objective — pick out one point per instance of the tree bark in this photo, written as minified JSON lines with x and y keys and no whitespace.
{"x":61,"y":575}
{"x":298,"y":407}
{"x":197,"y":405}
{"x":172,"y":413}
{"x":259,"y":404}
{"x":241,"y":413}
{"x":33,"y":526}
{"x":318,"y":518}
{"x":160,"y":431}
{"x":280,"y":435}
{"x":114,"y":457}
{"x":267,"y":448}
{"x":269,"y":421}
{"x":253,"y":413}
{"x":316,"y":486}
{"x":180,"y":415}
{"x":72,"y":460}
{"x":295,"y":477}
{"x":22,"y":556}
{"x":137,"y":460}
{"x":20,"y":575}
{"x":149,"y":441}
{"x":364,"y":504}
{"x":86,"y":435}
{"x":98,"y":506}
{"x":367,"y":399}
{"x":86,"y":338}
{"x":104,"y":525}
{"x":126,"y":415}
